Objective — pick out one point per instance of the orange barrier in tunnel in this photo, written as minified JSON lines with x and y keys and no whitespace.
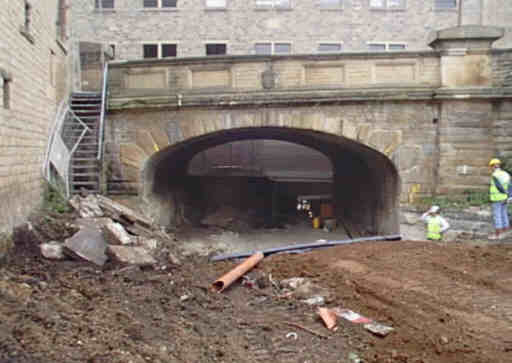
{"x":223,"y":282}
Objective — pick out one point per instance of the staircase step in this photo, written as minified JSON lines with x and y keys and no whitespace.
{"x":81,"y":103}
{"x":84,"y":174}
{"x":85,"y":152}
{"x":83,"y":168}
{"x":84,"y":159}
{"x":86,"y":94}
{"x":85,"y":183}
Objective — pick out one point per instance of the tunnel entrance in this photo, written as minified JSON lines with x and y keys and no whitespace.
{"x":257,"y":177}
{"x":257,"y":183}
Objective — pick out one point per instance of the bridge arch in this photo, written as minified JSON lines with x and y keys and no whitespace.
{"x":366,"y":184}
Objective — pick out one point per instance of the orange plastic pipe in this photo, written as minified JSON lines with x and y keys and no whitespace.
{"x":329,"y":318}
{"x":222,"y":283}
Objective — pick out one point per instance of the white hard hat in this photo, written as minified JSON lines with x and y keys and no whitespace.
{"x":434,"y":209}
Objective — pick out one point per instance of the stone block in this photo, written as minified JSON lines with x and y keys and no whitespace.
{"x":130,"y":255}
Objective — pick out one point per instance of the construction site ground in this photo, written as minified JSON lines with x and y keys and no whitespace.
{"x":446,"y":302}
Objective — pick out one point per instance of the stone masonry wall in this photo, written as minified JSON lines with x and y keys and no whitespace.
{"x":401,"y":130}
{"x":33,"y":79}
{"x":305,"y":25}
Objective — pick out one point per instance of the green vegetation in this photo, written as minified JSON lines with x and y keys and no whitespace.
{"x":466,"y":199}
{"x":54,"y":201}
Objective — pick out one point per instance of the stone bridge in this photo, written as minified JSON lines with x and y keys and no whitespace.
{"x":381,"y":128}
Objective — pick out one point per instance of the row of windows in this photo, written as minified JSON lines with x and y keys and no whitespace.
{"x":280,"y":4}
{"x":163,"y":50}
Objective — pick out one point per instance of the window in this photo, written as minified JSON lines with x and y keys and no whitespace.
{"x":104,"y":4}
{"x":150,"y":50}
{"x":329,"y":47}
{"x":216,"y":4}
{"x":282,"y":48}
{"x":383,"y":46}
{"x":159,"y":3}
{"x":331,"y":4}
{"x":6,"y":79}
{"x":26,"y":28}
{"x":387,"y":4}
{"x":169,"y":50}
{"x":28,"y":16}
{"x":396,"y":46}
{"x":112,"y":51}
{"x":62,"y":21}
{"x":157,"y":50}
{"x":216,"y":49}
{"x":277,"y":4}
{"x":445,"y":4}
{"x":272,"y":48}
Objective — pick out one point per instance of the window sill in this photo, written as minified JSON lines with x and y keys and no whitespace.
{"x":331,"y":9}
{"x":216,"y":9}
{"x":272,"y":8}
{"x":389,"y":9}
{"x":27,"y":35}
{"x":104,"y":11}
{"x":156,"y":10}
{"x":450,"y":10}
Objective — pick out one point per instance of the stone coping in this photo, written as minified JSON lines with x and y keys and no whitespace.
{"x":271,"y":58}
{"x":222,"y":98}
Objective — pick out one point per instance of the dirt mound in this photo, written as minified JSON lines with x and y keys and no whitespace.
{"x":446,"y":303}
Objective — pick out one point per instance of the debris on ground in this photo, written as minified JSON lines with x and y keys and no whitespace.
{"x":446,"y":303}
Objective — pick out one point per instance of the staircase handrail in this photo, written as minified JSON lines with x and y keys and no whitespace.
{"x":59,"y":118}
{"x":103,"y":108}
{"x":75,"y":146}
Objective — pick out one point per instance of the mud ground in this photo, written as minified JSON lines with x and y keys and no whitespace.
{"x":446,"y":303}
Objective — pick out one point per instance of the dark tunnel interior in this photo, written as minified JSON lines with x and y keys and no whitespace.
{"x":363,"y":183}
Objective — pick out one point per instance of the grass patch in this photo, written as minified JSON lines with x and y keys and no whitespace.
{"x":466,"y":199}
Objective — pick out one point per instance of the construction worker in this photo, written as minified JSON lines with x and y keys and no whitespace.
{"x":498,"y":194}
{"x":436,"y":225}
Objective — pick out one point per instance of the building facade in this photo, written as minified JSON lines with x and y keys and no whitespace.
{"x":183,"y":28}
{"x":34,"y":78}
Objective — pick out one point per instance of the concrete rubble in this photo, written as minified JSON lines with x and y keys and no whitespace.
{"x":110,"y":230}
{"x":52,"y":250}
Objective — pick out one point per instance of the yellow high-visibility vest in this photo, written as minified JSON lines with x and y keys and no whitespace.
{"x":434,"y":228}
{"x":504,"y":179}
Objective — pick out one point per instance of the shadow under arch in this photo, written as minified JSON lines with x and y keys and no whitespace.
{"x":366,"y":184}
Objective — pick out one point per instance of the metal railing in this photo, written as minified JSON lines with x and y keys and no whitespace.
{"x":104,"y":94}
{"x":67,"y":133}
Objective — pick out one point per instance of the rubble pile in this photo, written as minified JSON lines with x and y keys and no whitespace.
{"x":107,"y":230}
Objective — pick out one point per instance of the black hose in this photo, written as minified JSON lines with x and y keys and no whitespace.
{"x":393,"y":237}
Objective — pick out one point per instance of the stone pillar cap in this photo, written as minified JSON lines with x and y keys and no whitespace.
{"x":475,"y":35}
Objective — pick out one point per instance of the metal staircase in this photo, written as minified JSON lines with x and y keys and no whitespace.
{"x":85,"y":168}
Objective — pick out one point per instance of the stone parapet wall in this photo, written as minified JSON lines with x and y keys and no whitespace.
{"x":34,"y":66}
{"x":407,"y":69}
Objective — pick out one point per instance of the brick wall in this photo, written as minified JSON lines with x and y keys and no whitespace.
{"x":35,"y":64}
{"x":241,"y":25}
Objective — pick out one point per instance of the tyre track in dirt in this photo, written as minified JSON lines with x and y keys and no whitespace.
{"x":448,"y":301}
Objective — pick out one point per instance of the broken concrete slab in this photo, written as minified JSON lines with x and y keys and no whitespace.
{"x":133,"y":255}
{"x":87,"y":207}
{"x":88,"y":243}
{"x":52,"y":250}
{"x":378,"y":329}
{"x":116,"y":234}
{"x":122,"y":213}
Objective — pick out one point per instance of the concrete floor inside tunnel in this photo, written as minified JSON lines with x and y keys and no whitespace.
{"x":242,"y":203}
